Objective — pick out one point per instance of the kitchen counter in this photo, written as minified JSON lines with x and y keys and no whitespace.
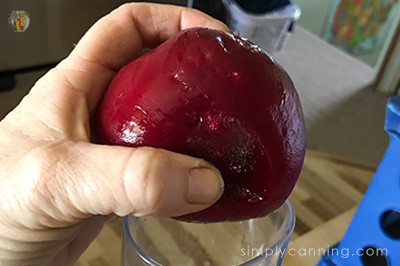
{"x":308,"y":249}
{"x":325,"y":198}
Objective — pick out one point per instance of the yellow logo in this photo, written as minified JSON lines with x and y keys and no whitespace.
{"x":19,"y":20}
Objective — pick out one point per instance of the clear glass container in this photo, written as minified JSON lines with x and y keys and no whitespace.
{"x":164,"y":241}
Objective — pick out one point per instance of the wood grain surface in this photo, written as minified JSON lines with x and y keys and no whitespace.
{"x":329,"y":187}
{"x":307,"y":249}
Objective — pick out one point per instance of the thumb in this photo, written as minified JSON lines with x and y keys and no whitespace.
{"x":141,"y":181}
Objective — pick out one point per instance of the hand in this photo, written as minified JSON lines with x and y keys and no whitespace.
{"x":57,"y":189}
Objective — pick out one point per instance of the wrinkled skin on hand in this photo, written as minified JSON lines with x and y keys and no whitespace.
{"x":57,"y":188}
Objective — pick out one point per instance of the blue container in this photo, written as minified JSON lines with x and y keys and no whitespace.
{"x":373,"y":237}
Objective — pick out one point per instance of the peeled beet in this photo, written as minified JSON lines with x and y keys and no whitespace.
{"x":215,"y":96}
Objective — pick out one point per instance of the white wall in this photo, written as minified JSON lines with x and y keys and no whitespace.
{"x":314,"y":14}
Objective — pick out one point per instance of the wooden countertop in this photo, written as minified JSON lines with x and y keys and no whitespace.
{"x":325,"y":198}
{"x":307,"y":249}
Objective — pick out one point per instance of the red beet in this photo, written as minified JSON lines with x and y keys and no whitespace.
{"x":209,"y":94}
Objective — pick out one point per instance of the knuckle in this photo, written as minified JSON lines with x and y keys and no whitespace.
{"x":43,"y":175}
{"x":38,"y":170}
{"x":154,"y":178}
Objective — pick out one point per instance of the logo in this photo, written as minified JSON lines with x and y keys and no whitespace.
{"x":19,"y":20}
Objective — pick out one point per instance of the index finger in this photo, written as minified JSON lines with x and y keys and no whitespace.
{"x":118,"y":38}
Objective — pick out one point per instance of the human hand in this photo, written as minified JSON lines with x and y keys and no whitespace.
{"x":57,"y":189}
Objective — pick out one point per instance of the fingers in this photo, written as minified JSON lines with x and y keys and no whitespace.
{"x":121,"y":36}
{"x":100,"y":180}
{"x":76,"y":85}
{"x":86,"y":179}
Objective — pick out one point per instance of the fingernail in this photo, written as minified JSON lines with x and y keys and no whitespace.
{"x":205,"y":186}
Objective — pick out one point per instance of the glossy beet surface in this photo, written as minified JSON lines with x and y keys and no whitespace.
{"x":215,"y":96}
